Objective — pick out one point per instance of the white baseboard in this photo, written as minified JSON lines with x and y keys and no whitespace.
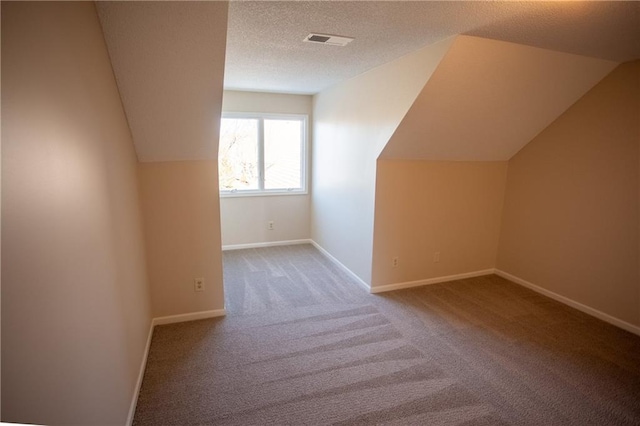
{"x":189,"y":317}
{"x":340,"y":265}
{"x":143,"y":366}
{"x":265,"y":244}
{"x":577,"y":305}
{"x":436,"y":280}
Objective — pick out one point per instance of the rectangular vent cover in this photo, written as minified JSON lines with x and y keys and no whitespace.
{"x":328,"y":39}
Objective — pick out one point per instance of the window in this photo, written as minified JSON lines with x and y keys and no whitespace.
{"x":262,"y":154}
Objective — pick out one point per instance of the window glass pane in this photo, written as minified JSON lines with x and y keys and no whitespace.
{"x":282,"y":154}
{"x":238,"y":154}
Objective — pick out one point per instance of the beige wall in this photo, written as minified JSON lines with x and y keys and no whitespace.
{"x":424,"y":207}
{"x":181,"y":220}
{"x":352,"y":123}
{"x":276,"y":103}
{"x":244,"y":219}
{"x":571,"y":208}
{"x":75,"y":303}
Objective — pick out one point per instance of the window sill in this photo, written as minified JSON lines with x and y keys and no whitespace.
{"x":245,"y":194}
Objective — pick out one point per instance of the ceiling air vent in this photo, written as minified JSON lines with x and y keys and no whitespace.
{"x":328,"y":39}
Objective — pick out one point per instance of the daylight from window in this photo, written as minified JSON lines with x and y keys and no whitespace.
{"x":238,"y":155}
{"x":261,"y":155}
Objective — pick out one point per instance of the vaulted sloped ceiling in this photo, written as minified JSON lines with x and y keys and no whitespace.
{"x":265,"y":51}
{"x":168,"y":60}
{"x":488,"y":98}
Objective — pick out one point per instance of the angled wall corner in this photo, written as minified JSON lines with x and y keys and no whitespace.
{"x":441,"y":178}
{"x":489,"y":98}
{"x":572,"y":202}
{"x":168,"y":60}
{"x":352,"y":123}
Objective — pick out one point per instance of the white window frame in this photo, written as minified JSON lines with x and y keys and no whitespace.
{"x":304,"y":149}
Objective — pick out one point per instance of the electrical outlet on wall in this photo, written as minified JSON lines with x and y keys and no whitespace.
{"x":270,"y":225}
{"x":394,"y":262}
{"x":198,"y":284}
{"x":436,"y":257}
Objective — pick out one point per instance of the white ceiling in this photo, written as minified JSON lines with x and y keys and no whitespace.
{"x":265,"y":51}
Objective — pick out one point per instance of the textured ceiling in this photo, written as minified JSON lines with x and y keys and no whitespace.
{"x":265,"y":51}
{"x":168,"y":60}
{"x":487,"y":99}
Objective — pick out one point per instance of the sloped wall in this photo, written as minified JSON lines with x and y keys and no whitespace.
{"x":168,"y":59}
{"x":572,"y":207}
{"x":352,"y":123}
{"x":489,"y":98}
{"x":75,"y":297}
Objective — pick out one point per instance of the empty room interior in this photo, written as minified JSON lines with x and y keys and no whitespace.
{"x":320,"y":212}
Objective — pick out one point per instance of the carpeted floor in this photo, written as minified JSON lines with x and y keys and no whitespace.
{"x":303,"y":344}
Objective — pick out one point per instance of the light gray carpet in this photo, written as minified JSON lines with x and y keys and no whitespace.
{"x":303,"y":344}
